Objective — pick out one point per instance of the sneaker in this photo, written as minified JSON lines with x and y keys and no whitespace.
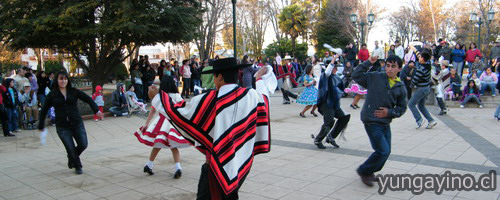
{"x":480,"y":106}
{"x":96,"y":120}
{"x":332,"y":142}
{"x":493,"y":95}
{"x":431,"y":124}
{"x":462,"y":106}
{"x":178,"y":174}
{"x":419,"y":123}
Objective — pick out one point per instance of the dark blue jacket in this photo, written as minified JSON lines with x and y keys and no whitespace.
{"x":457,"y":55}
{"x":329,"y":91}
{"x":380,"y":94}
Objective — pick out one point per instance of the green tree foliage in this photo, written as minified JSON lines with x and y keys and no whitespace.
{"x":329,"y":28}
{"x":293,"y":21}
{"x":285,"y":46}
{"x":53,"y":66}
{"x":97,"y":30}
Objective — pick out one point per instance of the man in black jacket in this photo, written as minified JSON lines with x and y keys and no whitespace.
{"x":120,"y":106}
{"x":351,"y":54}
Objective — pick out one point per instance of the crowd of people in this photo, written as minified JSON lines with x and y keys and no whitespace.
{"x":392,"y":81}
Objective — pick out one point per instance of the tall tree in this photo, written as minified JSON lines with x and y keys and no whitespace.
{"x":333,"y":26}
{"x":97,"y":30}
{"x":293,"y":21}
{"x":403,"y":22}
{"x":211,"y":25}
{"x":254,"y":23}
{"x":431,"y":15}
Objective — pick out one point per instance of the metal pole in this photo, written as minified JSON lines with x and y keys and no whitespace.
{"x":362,"y":33}
{"x":234,"y":28}
{"x":479,"y":23}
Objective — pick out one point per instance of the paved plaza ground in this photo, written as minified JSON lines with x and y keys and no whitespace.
{"x":464,"y":141}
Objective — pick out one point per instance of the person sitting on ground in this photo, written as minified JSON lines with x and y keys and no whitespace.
{"x":134,"y":101}
{"x":488,"y":80}
{"x":120,"y":106}
{"x":476,"y":67}
{"x":29,"y":103}
{"x":471,"y":92}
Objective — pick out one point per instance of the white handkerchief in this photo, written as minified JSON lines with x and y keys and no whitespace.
{"x":43,"y":137}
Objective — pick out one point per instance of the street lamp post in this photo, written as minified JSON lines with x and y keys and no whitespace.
{"x":473,"y":18}
{"x":234,"y":28}
{"x":354,"y":19}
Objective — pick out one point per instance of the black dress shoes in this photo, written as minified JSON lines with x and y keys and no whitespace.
{"x":178,"y":174}
{"x":9,"y":135}
{"x":332,"y":142}
{"x":78,"y":170}
{"x":148,"y":170}
{"x":320,"y":145}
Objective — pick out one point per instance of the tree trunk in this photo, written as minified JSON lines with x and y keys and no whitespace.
{"x":293,"y":46}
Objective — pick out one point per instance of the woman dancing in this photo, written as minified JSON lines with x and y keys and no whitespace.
{"x":159,"y":133}
{"x":69,"y":124}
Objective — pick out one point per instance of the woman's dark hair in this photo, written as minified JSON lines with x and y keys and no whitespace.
{"x":230,"y":76}
{"x":168,"y":85}
{"x":363,"y":45}
{"x":309,"y":69}
{"x":476,"y":57}
{"x":130,"y":86}
{"x":392,"y":46}
{"x":163,"y":63}
{"x":7,"y":81}
{"x":27,"y":75}
{"x":56,"y":83}
{"x":472,"y":43}
{"x":245,"y":60}
{"x":475,"y":86}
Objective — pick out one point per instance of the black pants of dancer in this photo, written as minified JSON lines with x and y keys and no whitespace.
{"x":74,"y":151}
{"x":5,"y":120}
{"x":287,"y":94}
{"x":185,"y":87}
{"x":441,"y":103}
{"x":204,"y":192}
{"x":329,"y":115}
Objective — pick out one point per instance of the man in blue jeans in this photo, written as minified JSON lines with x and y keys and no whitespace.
{"x":385,"y":100}
{"x":421,"y":80}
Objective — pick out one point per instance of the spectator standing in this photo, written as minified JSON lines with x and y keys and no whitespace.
{"x":20,"y":78}
{"x":392,"y":51}
{"x":150,"y":77}
{"x":378,"y":52}
{"x":3,"y":114}
{"x":11,"y":102}
{"x":406,"y":75}
{"x":445,"y":51}
{"x":278,"y":59}
{"x":437,"y":48}
{"x":410,"y":56}
{"x":495,"y":53}
{"x":119,"y":101}
{"x":399,"y":50}
{"x":350,"y":54}
{"x":457,"y":58}
{"x":98,"y":98}
{"x":185,"y":71}
{"x":363,"y":53}
{"x":471,"y":54}
{"x":43,"y":82}
{"x":136,"y":78}
{"x":196,"y":76}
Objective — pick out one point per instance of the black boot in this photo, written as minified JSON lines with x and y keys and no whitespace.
{"x":148,"y":170}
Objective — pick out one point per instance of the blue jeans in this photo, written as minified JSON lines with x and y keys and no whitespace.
{"x":118,"y":110}
{"x":41,"y":98}
{"x":80,"y":136}
{"x":13,"y":117}
{"x":196,"y":82}
{"x":497,"y":112}
{"x":459,"y":66}
{"x":419,"y":98}
{"x":491,"y":86}
{"x":380,"y":139}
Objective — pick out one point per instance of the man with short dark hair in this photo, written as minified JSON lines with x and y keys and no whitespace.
{"x":229,"y":125}
{"x":385,"y":100}
{"x":421,"y":80}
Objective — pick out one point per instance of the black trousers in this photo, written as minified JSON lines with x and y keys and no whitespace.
{"x":287,"y":94}
{"x":204,"y":192}
{"x":74,"y":151}
{"x":329,"y":115}
{"x":5,"y":120}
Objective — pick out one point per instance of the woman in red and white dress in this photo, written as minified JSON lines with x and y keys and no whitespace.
{"x":159,"y":133}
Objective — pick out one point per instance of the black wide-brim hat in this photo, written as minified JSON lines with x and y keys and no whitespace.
{"x":225,"y":64}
